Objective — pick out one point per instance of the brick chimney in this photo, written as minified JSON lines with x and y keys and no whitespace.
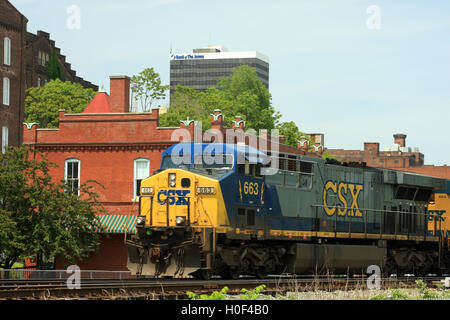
{"x":217,"y":120}
{"x":302,"y":144}
{"x":317,"y":148}
{"x":188,"y":125}
{"x":372,"y":147}
{"x":238,"y":123}
{"x":399,"y":138}
{"x":119,"y":97}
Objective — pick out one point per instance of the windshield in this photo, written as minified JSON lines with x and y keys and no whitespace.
{"x":205,"y":162}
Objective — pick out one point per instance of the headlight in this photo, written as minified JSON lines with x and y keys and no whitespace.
{"x":180,"y":221}
{"x":172,"y":180}
{"x":140,"y":220}
{"x":147,"y":190}
{"x":205,"y":190}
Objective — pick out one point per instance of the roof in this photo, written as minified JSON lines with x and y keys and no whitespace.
{"x":198,"y":148}
{"x":100,"y":104}
{"x":7,"y":3}
{"x":220,"y":55}
{"x":114,"y":223}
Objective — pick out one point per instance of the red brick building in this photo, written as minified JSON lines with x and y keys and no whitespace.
{"x":397,"y":156}
{"x":13,"y":28}
{"x":110,"y":145}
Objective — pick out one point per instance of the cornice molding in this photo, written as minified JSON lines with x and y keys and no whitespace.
{"x":107,"y":147}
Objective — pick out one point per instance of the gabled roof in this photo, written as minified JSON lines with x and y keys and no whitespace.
{"x":100,"y":104}
{"x":14,"y":8}
{"x":14,"y":16}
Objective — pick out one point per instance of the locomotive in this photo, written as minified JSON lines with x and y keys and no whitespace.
{"x":233,"y":216}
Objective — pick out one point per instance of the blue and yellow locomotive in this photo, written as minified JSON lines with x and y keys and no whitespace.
{"x":222,"y":209}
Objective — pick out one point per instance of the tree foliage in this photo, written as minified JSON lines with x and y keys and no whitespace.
{"x":242,"y":94}
{"x":147,"y":88}
{"x":42,"y":104}
{"x":38,"y":216}
{"x":292,"y":134}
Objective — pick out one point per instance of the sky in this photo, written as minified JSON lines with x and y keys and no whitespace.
{"x":356,"y":70}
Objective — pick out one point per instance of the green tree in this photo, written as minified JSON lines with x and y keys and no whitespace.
{"x":188,"y":103}
{"x":242,"y":93}
{"x":38,"y":216}
{"x":42,"y":104}
{"x":248,"y":96}
{"x":147,"y":88}
{"x":291,"y":133}
{"x":54,"y":69}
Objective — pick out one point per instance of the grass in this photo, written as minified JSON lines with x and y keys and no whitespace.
{"x":421,"y":292}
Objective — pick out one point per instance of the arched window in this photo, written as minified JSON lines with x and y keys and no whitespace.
{"x":141,"y":172}
{"x":7,"y":51}
{"x":72,"y":175}
{"x":4,"y":138}
{"x":6,"y":91}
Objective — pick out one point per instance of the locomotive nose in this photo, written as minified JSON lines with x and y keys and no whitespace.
{"x":172,"y":204}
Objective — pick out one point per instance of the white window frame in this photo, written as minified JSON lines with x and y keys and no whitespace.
{"x":6,"y":91}
{"x":7,"y":51}
{"x":66,"y":165}
{"x":5,"y":138}
{"x":135,"y":173}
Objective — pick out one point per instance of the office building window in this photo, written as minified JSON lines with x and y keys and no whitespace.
{"x":4,"y":139}
{"x":6,"y":91}
{"x":141,"y":172}
{"x":72,"y":175}
{"x":7,"y":51}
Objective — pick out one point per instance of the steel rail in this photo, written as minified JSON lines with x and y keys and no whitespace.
{"x":159,"y":288}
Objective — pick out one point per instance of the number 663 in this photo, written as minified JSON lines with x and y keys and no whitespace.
{"x":251,"y":188}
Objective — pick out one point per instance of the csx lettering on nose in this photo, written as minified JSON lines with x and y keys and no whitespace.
{"x":174,"y":197}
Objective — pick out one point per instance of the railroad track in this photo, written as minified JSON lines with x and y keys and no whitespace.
{"x":177,"y":288}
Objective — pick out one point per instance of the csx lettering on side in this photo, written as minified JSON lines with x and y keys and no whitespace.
{"x":341,"y":190}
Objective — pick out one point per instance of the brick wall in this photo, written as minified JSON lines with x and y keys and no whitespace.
{"x":111,"y":255}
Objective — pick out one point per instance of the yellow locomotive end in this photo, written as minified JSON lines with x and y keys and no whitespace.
{"x":179,"y":211}
{"x":179,"y":198}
